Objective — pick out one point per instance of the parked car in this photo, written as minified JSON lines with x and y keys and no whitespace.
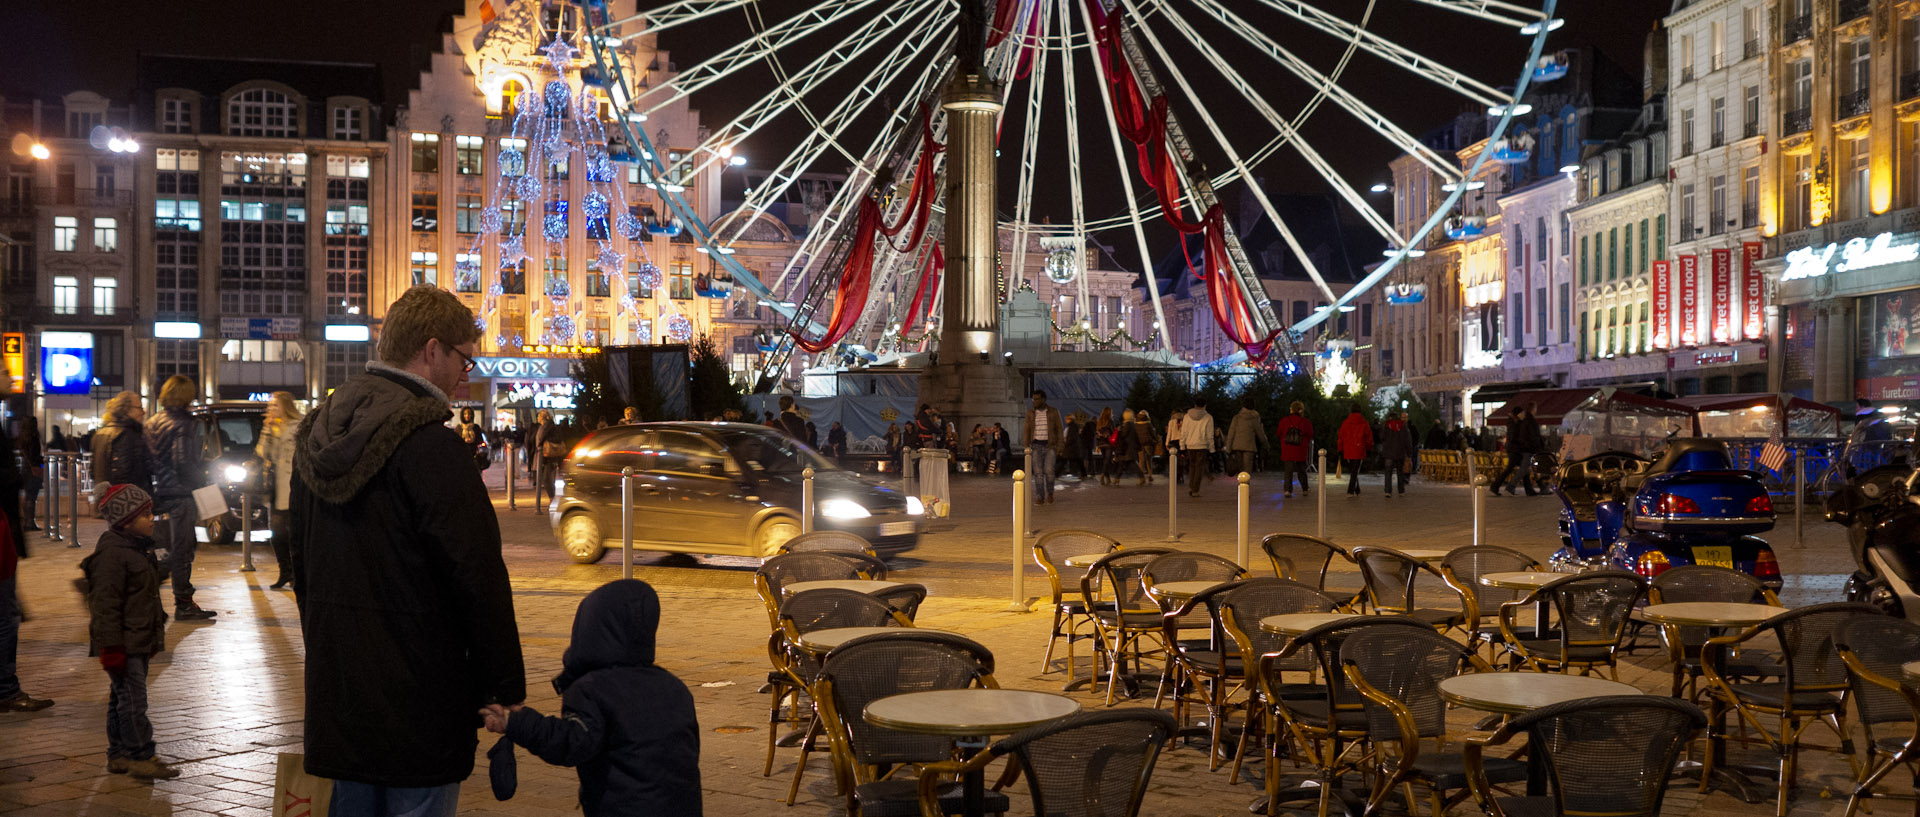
{"x":228,"y":432}
{"x":716,"y":488}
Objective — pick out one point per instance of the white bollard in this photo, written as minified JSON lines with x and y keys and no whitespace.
{"x":1020,"y":499}
{"x":1026,"y":459}
{"x":806,"y":500}
{"x":907,"y":471}
{"x":1322,"y":477}
{"x":246,"y":531}
{"x":1173,"y":501}
{"x":626,"y":522}
{"x":1479,"y":510}
{"x":1246,"y":516}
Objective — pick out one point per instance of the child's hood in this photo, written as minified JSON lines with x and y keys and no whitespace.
{"x":614,"y":627}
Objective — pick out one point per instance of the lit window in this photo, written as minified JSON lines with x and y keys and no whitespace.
{"x":176,"y":116}
{"x":468,"y":155}
{"x":426,"y":153}
{"x":349,"y":167}
{"x":261,"y":112}
{"x":106,"y":235}
{"x":513,"y":163}
{"x":466,"y":213}
{"x":66,"y":295}
{"x":66,"y":233}
{"x":426,"y":211}
{"x":346,"y":122}
{"x":680,"y":281}
{"x":470,"y":283}
{"x":426,"y":268}
{"x":104,"y":290}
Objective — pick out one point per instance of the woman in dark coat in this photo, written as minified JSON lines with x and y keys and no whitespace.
{"x":120,"y":452}
{"x":34,"y":461}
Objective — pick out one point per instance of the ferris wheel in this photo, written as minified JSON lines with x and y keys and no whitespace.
{"x":1193,"y":97}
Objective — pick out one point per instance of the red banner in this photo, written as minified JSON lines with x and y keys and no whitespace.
{"x":1752,"y":290}
{"x":1722,"y":296}
{"x":1662,"y":295}
{"x":1689,"y":300}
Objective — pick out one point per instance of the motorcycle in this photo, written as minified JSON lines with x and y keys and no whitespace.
{"x":1881,"y":509}
{"x":1686,"y":506}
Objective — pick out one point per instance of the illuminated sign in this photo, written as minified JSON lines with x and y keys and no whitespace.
{"x":1721,"y":296}
{"x":1662,"y":293}
{"x":1752,"y":289}
{"x":179,"y":330}
{"x":13,"y":358}
{"x":66,"y":362}
{"x":1856,"y":254}
{"x":348,"y":333}
{"x":558,"y":350}
{"x":1689,"y":299}
{"x":510,"y":367}
{"x":1716,"y":357}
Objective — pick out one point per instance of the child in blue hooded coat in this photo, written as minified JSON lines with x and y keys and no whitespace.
{"x":626,"y":724}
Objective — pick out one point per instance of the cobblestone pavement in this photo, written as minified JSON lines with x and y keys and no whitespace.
{"x":226,"y":698}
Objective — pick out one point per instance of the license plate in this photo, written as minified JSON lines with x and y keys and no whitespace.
{"x":896,"y":528}
{"x":1715,"y":556}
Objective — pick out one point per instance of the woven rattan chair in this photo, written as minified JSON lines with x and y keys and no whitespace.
{"x":869,"y":668}
{"x":1874,"y":649}
{"x":1398,"y":673}
{"x":1592,"y":610}
{"x":1390,"y":578}
{"x":1093,"y":764}
{"x":1609,"y":755}
{"x":1812,"y":686}
{"x":772,"y":577}
{"x":803,"y":613}
{"x":1187,"y":566}
{"x":1052,"y":551}
{"x":1462,"y":568}
{"x":1122,"y":612}
{"x":1689,"y":583}
{"x":905,"y":598}
{"x":1306,"y":559}
{"x":1241,"y":610}
{"x":1202,"y":672}
{"x":829,"y":541}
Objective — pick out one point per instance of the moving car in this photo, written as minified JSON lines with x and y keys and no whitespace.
{"x":716,"y":488}
{"x":228,"y":432}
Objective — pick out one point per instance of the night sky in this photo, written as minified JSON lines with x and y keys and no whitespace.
{"x":55,"y":47}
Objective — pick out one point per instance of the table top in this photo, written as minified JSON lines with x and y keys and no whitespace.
{"x":1710,"y":613}
{"x":1425,"y":554}
{"x":1511,"y":693}
{"x":1297,"y":623}
{"x":969,"y":712}
{"x":1083,"y":559}
{"x":1524,"y":580}
{"x":831,"y":637}
{"x":861,"y":585}
{"x":1912,"y":672}
{"x":1183,"y":590}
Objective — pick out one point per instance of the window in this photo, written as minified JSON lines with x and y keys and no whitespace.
{"x":556,"y":276}
{"x":261,"y":112}
{"x":1802,"y":191}
{"x":1583,"y":262}
{"x":346,"y":122}
{"x":1686,"y":131}
{"x":1858,"y":53}
{"x":1566,"y":303}
{"x":466,"y":213}
{"x":1627,"y":248}
{"x":181,"y":357}
{"x":66,"y":233}
{"x":598,"y":285}
{"x":106,"y":235}
{"x":66,"y":295}
{"x":80,"y":124}
{"x":1613,"y":252}
{"x":426,"y":153}
{"x":634,"y":285}
{"x":1540,"y":314}
{"x":468,"y":155}
{"x":557,"y":169}
{"x":510,"y":92}
{"x":1686,"y":212}
{"x":1660,"y":236}
{"x":1717,"y":205}
{"x":466,"y":267}
{"x":680,"y":281}
{"x":345,"y":360}
{"x":513,"y":217}
{"x":1540,"y":239}
{"x":347,"y":167}
{"x":1800,"y":74}
{"x":1686,"y":58}
{"x":1717,"y":47}
{"x":104,"y":295}
{"x":1855,"y":189}
{"x":1750,"y":196}
{"x":513,"y":157}
{"x":426,"y":268}
{"x":177,"y":275}
{"x":346,"y":276}
{"x":1643,"y":247}
{"x":555,"y":225}
{"x":1750,"y":18}
{"x":1717,"y":121}
{"x":426,"y":211}
{"x":176,"y":116}
{"x":513,"y":278}
{"x":103,"y":181}
{"x":1750,"y":114}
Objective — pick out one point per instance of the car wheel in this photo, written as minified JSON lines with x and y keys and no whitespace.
{"x":221,"y":530}
{"x":773,"y":534}
{"x":580,"y":538}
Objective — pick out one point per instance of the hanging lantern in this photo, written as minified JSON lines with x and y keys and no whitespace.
{"x":1062,"y":266}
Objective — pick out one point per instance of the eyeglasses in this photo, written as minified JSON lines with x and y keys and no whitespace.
{"x":470,"y":362}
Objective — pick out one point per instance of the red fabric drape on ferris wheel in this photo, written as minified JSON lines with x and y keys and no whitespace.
{"x":920,"y":196}
{"x":851,"y":293}
{"x":928,"y":289}
{"x":1005,"y":13}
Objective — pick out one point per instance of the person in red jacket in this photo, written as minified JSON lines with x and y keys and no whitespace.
{"x":1296,"y":443}
{"x":1356,"y":441}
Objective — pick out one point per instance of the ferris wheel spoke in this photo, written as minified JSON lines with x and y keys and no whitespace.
{"x":1489,"y":10}
{"x":764,"y":46}
{"x":675,"y":14}
{"x":1075,"y":185}
{"x":1030,"y":138}
{"x":1390,"y":51}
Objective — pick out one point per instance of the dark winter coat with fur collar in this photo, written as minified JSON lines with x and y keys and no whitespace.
{"x":404,"y":602}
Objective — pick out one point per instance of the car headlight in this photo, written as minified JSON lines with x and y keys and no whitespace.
{"x":843,"y":509}
{"x":915,"y":507}
{"x":236,"y":473}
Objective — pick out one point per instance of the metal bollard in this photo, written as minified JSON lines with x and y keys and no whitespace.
{"x":626,"y":522}
{"x":73,"y":503}
{"x":1173,"y":493}
{"x":246,"y":531}
{"x":1246,"y":515}
{"x":52,"y":528}
{"x":1799,"y":503}
{"x":1479,"y":510}
{"x":1322,"y":476}
{"x":907,"y":471}
{"x":1020,"y":498}
{"x":806,"y":500}
{"x":508,"y":462}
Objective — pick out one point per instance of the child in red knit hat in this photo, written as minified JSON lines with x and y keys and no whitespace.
{"x":128,"y":626}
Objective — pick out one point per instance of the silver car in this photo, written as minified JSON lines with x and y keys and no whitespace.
{"x":717,"y":488}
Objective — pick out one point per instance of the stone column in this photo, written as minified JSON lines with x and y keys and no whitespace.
{"x":971,"y":319}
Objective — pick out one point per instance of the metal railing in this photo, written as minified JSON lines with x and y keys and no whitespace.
{"x":1716,"y":222}
{"x":1854,"y":9}
{"x":1799,"y":121}
{"x":1718,"y":139}
{"x":1686,"y":148}
{"x":1686,"y":74}
{"x":1750,"y":129}
{"x":1910,"y":84}
{"x":1751,"y":49}
{"x":1797,"y":29}
{"x":82,"y":197}
{"x":1854,"y":103}
{"x":1750,"y":216}
{"x":1686,"y":230}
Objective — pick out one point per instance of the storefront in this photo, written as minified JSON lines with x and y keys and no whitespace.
{"x":1850,"y":311}
{"x":509,"y":392}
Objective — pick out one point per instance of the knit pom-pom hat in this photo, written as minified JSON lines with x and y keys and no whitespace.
{"x":124,"y":502}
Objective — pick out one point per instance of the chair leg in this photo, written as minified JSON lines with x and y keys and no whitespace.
{"x":1046,"y":663}
{"x":799,"y":768}
{"x":1864,"y":788}
{"x":1789,"y":752}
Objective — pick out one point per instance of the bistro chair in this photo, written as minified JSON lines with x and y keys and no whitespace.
{"x":1398,"y":673}
{"x":1812,"y":686}
{"x":829,"y":541}
{"x":904,"y":598}
{"x":1122,"y":612}
{"x":1691,"y":583}
{"x":1092,"y":764}
{"x":1389,"y":577}
{"x":772,"y":577}
{"x":1592,"y":610}
{"x":803,"y":613}
{"x":1462,"y":568}
{"x":872,"y":667}
{"x":1874,"y":649}
{"x":1186,"y":566}
{"x":1610,"y":755}
{"x":1069,"y":614}
{"x":1306,"y":559}
{"x":1207,"y":672}
{"x":1241,"y":609}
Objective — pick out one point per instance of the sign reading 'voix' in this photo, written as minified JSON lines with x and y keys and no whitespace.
{"x":1856,"y":254}
{"x":511,"y":367}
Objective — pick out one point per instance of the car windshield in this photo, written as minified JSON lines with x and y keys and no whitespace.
{"x":774,"y":453}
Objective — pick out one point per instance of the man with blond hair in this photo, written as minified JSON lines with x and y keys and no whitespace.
{"x":395,"y":548}
{"x":173,"y":441}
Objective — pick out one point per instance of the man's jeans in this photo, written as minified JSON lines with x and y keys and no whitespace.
{"x":9,"y":638}
{"x":1353,"y":476}
{"x":1044,"y":460}
{"x":177,"y":536}
{"x":129,"y":733}
{"x":352,"y":799}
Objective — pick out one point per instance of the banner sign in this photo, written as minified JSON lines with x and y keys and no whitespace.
{"x":1752,"y":290}
{"x":13,"y":357}
{"x":260,"y":328}
{"x":1689,"y":300}
{"x":1722,"y":296}
{"x":66,"y":362}
{"x":1662,"y":292}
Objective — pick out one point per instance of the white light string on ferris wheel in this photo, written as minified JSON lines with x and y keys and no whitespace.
{"x":1391,"y":52}
{"x":1079,"y":211}
{"x":1161,"y":326}
{"x":1030,"y":137}
{"x":750,"y":53}
{"x":1485,"y":10}
{"x":661,"y":18}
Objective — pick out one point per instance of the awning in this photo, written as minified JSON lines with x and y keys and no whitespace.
{"x":1551,"y":406}
{"x":1498,"y":392}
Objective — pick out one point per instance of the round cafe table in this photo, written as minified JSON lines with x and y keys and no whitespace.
{"x":1084,"y":559}
{"x":1425,"y":554}
{"x":1292,"y":624}
{"x":1912,"y":672}
{"x":1709,"y":613}
{"x":1529,"y":581}
{"x":825,"y":640}
{"x":858,"y":585}
{"x":1739,"y":781}
{"x":1181,"y":591}
{"x":1513,"y":693}
{"x":972,"y":715}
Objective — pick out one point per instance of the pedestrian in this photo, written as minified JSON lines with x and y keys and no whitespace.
{"x":1436,"y":437}
{"x":1196,"y":443}
{"x":1523,"y":441}
{"x":625,"y":722}
{"x":58,"y":441}
{"x":836,"y":440}
{"x":771,"y":421}
{"x":1103,"y":451}
{"x":13,"y":548}
{"x":127,"y":627}
{"x":1170,"y":441}
{"x":1002,"y":447}
{"x":1396,"y":450}
{"x":34,"y":462}
{"x":405,"y":610}
{"x":790,"y":419}
{"x":173,"y":438}
{"x":630,"y":416}
{"x":813,"y":436}
{"x":1045,"y":439}
{"x":1089,"y":448}
{"x":1071,"y":460}
{"x":1145,"y":443}
{"x":549,"y":448}
{"x":1246,"y":436}
{"x":1356,"y":442}
{"x":1296,"y":442}
{"x":276,"y":452}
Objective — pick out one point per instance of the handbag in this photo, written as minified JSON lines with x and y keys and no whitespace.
{"x":296,"y":793}
{"x":552,"y":450}
{"x":482,"y":457}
